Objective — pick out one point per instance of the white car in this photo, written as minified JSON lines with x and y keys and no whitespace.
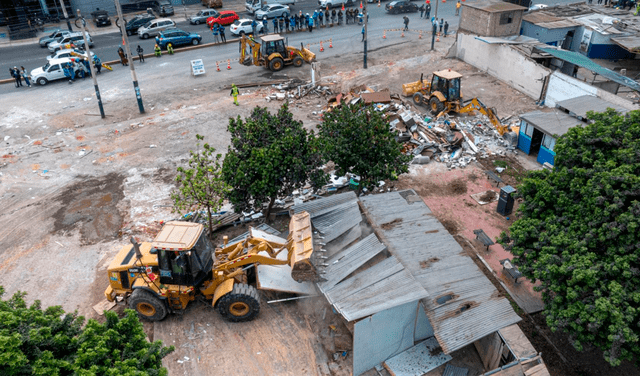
{"x":154,"y":27}
{"x":75,"y":38}
{"x":537,"y":7}
{"x":52,"y":71}
{"x":68,"y":53}
{"x":243,"y":26}
{"x":272,"y":10}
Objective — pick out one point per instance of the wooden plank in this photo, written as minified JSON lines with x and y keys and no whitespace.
{"x":539,"y":370}
{"x":489,"y":348}
{"x":278,"y":278}
{"x":517,"y":342}
{"x":104,"y":305}
{"x":417,"y":360}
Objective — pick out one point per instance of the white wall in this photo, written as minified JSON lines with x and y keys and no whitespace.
{"x":563,"y":87}
{"x":503,"y":63}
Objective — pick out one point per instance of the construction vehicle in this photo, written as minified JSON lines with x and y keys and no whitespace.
{"x":273,"y":53}
{"x":181,"y":264}
{"x":212,"y":3}
{"x":442,"y":95}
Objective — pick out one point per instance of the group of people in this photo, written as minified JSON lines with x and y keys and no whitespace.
{"x":299,"y":22}
{"x":218,"y":31}
{"x":79,"y":68}
{"x":19,"y":75}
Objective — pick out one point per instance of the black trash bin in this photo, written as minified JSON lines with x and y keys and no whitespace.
{"x":505,"y":203}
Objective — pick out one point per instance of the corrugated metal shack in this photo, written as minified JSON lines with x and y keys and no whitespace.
{"x":396,"y":272}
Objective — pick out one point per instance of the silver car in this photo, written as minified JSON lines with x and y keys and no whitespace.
{"x":44,"y":41}
{"x":271,"y":11}
{"x":201,"y":16}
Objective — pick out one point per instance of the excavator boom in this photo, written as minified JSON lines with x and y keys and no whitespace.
{"x":476,"y":105}
{"x":254,"y":47}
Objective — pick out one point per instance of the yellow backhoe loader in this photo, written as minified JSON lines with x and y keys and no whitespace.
{"x":272,"y":54}
{"x":443,"y":95}
{"x":181,"y":264}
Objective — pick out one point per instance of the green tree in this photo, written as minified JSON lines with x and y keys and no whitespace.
{"x":577,"y":233}
{"x":357,"y":139}
{"x":270,"y":156}
{"x":34,"y":341}
{"x":200,"y":185}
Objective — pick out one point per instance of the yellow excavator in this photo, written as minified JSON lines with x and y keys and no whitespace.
{"x":273,"y":53}
{"x":181,"y":264}
{"x":443,"y":95}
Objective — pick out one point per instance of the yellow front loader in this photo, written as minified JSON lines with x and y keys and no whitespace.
{"x":181,"y":264}
{"x":272,"y":53}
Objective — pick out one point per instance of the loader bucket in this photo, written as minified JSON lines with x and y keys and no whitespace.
{"x":301,"y":250}
{"x":307,"y":55}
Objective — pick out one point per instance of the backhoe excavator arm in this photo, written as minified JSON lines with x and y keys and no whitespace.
{"x":475,"y":105}
{"x":255,"y":51}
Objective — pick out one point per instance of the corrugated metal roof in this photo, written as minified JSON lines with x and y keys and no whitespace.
{"x":540,"y":17}
{"x":450,"y":370}
{"x":517,"y":39}
{"x":324,"y":205}
{"x":583,"y":61}
{"x":494,"y":6}
{"x":630,"y":43}
{"x":600,"y":23}
{"x":336,"y":222}
{"x":580,"y":105}
{"x":552,"y":123}
{"x":463,"y":306}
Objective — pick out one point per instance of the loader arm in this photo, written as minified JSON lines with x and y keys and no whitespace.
{"x":255,"y":51}
{"x":475,"y":105}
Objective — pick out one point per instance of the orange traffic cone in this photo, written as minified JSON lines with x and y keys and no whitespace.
{"x":327,"y":7}
{"x":384,"y":34}
{"x":321,"y":48}
{"x":331,"y":43}
{"x":217,"y":66}
{"x":420,"y":35}
{"x":402,"y":35}
{"x":123,"y":40}
{"x":378,"y":3}
{"x":361,"y":5}
{"x":343,"y":7}
{"x":438,"y":37}
{"x":228,"y":63}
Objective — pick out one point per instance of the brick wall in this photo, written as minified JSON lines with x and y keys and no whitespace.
{"x":496,"y":24}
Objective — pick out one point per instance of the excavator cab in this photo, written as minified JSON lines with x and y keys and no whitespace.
{"x":447,"y":82}
{"x":273,"y":45}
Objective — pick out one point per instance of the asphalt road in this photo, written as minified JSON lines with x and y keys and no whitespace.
{"x":106,"y":44}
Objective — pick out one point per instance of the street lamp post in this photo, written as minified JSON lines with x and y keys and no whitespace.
{"x":91,"y":67}
{"x":364,"y":16}
{"x":128,"y":51}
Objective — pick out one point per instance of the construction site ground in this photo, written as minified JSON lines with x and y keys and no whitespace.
{"x":74,"y":187}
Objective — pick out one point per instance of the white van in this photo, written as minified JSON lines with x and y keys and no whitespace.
{"x":154,"y":27}
{"x":253,"y":5}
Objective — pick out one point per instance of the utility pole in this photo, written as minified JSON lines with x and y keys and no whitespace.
{"x":365,"y":16}
{"x":436,"y":14}
{"x":434,"y":30}
{"x":184,"y":6}
{"x":128,"y":51}
{"x":91,"y":67}
{"x":66,"y":16}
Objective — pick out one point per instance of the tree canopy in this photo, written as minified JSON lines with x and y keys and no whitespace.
{"x":200,"y":185}
{"x":270,"y":156}
{"x":357,"y":139}
{"x":34,"y":341}
{"x":577,"y":233}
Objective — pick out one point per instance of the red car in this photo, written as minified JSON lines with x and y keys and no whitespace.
{"x":225,"y":17}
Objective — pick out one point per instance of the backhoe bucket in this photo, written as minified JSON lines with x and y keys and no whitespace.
{"x":307,"y":55}
{"x":300,"y":235}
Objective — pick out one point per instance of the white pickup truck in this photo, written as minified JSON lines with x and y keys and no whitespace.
{"x":254,"y":5}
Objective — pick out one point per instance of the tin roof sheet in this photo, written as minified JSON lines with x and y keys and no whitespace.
{"x":552,"y":122}
{"x":494,"y":6}
{"x":579,"y":106}
{"x":629,"y":43}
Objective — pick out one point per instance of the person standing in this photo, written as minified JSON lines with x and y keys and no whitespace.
{"x":441,"y":24}
{"x":427,"y":10}
{"x":333,"y":17}
{"x":265,"y":28}
{"x":25,"y":75}
{"x":97,"y":63}
{"x":406,"y":23}
{"x":157,"y":51}
{"x":235,"y":92}
{"x":215,"y":30}
{"x":422,"y":8}
{"x":275,"y":25}
{"x":123,"y":57}
{"x":87,"y":67}
{"x":362,"y":34}
{"x":459,"y":5}
{"x":281,"y":24}
{"x":254,"y":27}
{"x":292,"y":22}
{"x":170,"y":48}
{"x":446,"y":28}
{"x":15,"y":73}
{"x":140,"y":52}
{"x":223,"y":36}
{"x":286,"y":23}
{"x":310,"y":24}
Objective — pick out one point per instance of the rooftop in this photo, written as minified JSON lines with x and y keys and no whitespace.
{"x":547,"y":20}
{"x":579,"y":106}
{"x":553,"y":123}
{"x":494,"y":6}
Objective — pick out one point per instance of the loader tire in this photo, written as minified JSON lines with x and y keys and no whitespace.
{"x":418,"y":99}
{"x":276,"y":64}
{"x":435,"y":105}
{"x":148,"y":306}
{"x":241,"y":304}
{"x":297,"y":61}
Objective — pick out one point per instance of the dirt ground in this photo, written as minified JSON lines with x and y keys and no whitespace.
{"x":75,"y":187}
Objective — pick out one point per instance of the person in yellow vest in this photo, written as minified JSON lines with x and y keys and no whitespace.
{"x":170,"y":49}
{"x":234,"y":92}
{"x":157,"y":51}
{"x":458,"y":6}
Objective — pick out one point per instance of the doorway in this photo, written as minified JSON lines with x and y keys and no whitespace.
{"x":536,"y":141}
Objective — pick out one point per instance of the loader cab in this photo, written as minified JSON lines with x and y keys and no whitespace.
{"x":448,"y":83}
{"x":272,"y":44}
{"x":184,"y":254}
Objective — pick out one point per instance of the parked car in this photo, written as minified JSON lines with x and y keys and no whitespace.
{"x":253,"y":6}
{"x":537,"y":7}
{"x":138,"y":21}
{"x":101,"y":17}
{"x":163,"y":8}
{"x":51,"y":72}
{"x":201,"y":16}
{"x":153,"y":28}
{"x":68,"y":53}
{"x":177,"y":38}
{"x":272,"y":10}
{"x":44,"y":41}
{"x":403,"y":6}
{"x":243,"y":26}
{"x":335,"y":3}
{"x":73,"y":38}
{"x":225,"y":17}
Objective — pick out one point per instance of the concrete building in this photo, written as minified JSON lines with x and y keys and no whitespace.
{"x":549,"y":29}
{"x":491,"y":18}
